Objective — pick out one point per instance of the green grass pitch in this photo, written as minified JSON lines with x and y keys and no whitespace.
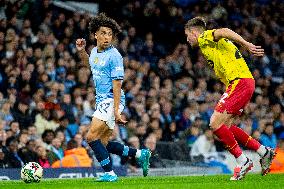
{"x":252,"y":181}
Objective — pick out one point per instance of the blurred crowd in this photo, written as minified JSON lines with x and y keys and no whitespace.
{"x":47,"y":96}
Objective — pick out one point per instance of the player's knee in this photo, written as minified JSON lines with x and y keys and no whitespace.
{"x":104,"y":141}
{"x":229,"y":123}
{"x":214,"y":123}
{"x":106,"y":137}
{"x":218,"y":119}
{"x":92,"y":135}
{"x":213,"y":126}
{"x":97,"y":131}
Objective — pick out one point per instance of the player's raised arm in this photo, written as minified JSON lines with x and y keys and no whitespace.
{"x":81,"y":45}
{"x":233,"y":36}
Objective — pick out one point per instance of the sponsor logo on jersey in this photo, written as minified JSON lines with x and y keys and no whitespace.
{"x":97,"y":73}
{"x":119,"y":68}
{"x":96,"y":60}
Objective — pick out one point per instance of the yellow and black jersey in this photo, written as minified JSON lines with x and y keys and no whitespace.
{"x":224,"y":57}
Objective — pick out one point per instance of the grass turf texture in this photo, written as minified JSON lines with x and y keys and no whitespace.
{"x":252,"y":181}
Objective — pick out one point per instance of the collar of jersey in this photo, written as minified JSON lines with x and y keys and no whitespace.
{"x":110,"y":47}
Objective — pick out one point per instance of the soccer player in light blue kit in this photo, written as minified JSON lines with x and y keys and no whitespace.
{"x":106,"y":65}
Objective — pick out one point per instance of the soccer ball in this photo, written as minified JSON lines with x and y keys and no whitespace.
{"x":31,"y":172}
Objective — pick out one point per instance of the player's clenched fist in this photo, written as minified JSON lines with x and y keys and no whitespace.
{"x":80,"y":44}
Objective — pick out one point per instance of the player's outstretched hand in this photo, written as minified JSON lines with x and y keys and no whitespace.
{"x":119,"y":119}
{"x":80,"y":44}
{"x":255,"y":50}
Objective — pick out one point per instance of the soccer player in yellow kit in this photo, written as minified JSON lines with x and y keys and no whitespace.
{"x":230,"y":67}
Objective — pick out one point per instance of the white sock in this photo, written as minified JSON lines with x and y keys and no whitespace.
{"x":261,"y":150}
{"x":242,"y":159}
{"x":138,"y":153}
{"x":111,"y":173}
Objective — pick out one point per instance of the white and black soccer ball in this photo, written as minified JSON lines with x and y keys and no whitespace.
{"x":31,"y":172}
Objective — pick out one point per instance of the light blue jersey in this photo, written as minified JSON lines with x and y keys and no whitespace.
{"x":106,"y":66}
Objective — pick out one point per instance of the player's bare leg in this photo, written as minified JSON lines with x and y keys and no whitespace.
{"x":97,"y":130}
{"x":219,"y":124}
{"x":107,"y":133}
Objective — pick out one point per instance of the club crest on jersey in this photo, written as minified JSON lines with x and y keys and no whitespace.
{"x":101,"y":63}
{"x":211,"y":63}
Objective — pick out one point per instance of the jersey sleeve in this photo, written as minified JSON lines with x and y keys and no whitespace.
{"x":116,"y":67}
{"x":206,"y":38}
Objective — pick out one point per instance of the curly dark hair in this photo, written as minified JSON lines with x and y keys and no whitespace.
{"x":101,"y":20}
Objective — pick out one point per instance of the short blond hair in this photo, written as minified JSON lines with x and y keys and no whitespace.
{"x":196,"y":22}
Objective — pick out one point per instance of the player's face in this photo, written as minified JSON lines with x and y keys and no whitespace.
{"x":104,"y":37}
{"x":191,"y":37}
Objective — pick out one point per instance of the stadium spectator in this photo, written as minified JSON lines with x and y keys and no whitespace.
{"x":170,"y":133}
{"x":3,"y":160}
{"x":12,"y":155}
{"x":268,"y":138}
{"x":74,"y":157}
{"x":184,"y":121}
{"x":14,"y":128}
{"x":28,"y":152}
{"x":56,"y":151}
{"x":3,"y":137}
{"x":279,"y":125}
{"x":22,"y":139}
{"x":21,"y":114}
{"x":83,"y":129}
{"x":42,"y":157}
{"x":47,"y":137}
{"x":43,"y":121}
{"x":60,"y":135}
{"x":32,"y":132}
{"x":204,"y":146}
{"x":80,"y":141}
{"x":256,"y":134}
{"x":68,"y":107}
{"x":5,"y":113}
{"x":150,"y":143}
{"x":191,"y":134}
{"x":2,"y":125}
{"x":133,"y":142}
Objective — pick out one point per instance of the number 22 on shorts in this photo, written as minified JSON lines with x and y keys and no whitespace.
{"x":222,"y":100}
{"x":104,"y":107}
